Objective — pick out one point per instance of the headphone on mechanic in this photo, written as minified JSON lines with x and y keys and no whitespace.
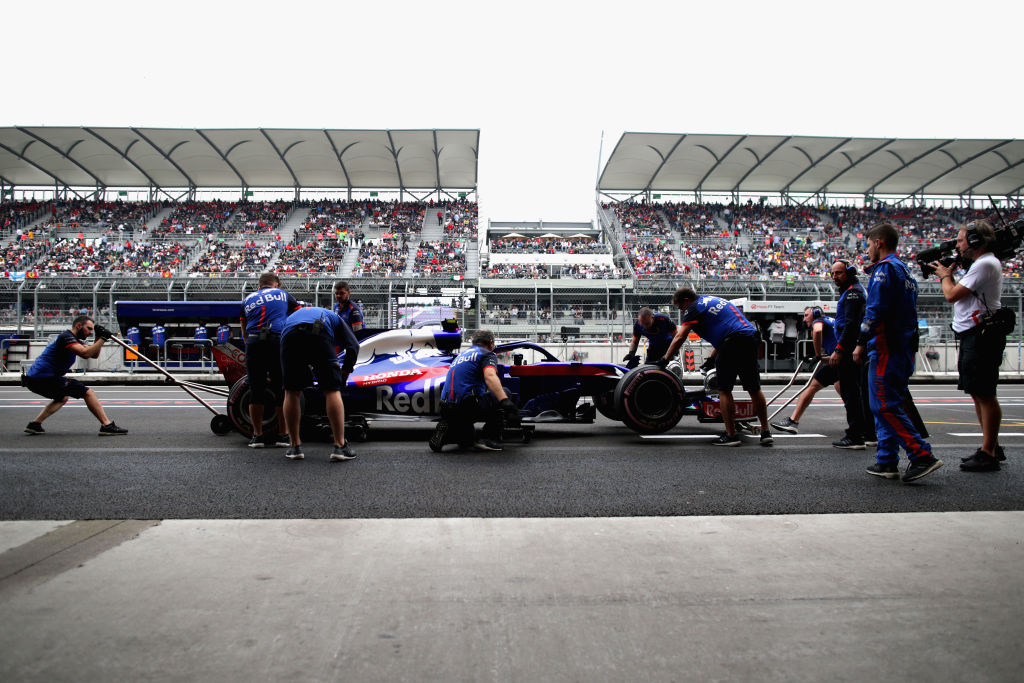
{"x":817,"y":313}
{"x":851,"y":269}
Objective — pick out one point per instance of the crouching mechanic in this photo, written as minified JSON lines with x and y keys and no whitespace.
{"x":736,"y":344}
{"x":823,"y":336}
{"x":658,"y":329}
{"x":472,"y":392}
{"x":47,"y":378}
{"x":309,"y":340}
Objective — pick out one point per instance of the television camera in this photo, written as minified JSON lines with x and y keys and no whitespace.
{"x":1008,"y":239}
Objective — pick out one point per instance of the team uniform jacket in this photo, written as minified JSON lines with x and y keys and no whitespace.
{"x":466,"y":374}
{"x":266,"y":310}
{"x":714,"y":319}
{"x":849,"y":316}
{"x":890,"y":315}
{"x":660,"y":334}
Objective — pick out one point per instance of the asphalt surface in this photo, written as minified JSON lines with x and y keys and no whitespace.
{"x":171,"y":466}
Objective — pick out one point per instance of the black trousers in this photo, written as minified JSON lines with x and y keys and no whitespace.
{"x":459,"y":419}
{"x":849,"y":374}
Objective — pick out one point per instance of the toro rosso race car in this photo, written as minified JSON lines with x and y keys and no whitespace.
{"x":399,"y":375}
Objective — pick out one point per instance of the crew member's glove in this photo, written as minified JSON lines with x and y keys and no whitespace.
{"x":708,"y":364}
{"x":628,"y":357}
{"x":511,"y":412}
{"x":662,"y":363}
{"x":102,"y":333}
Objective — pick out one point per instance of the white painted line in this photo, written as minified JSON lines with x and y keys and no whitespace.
{"x":1001,"y":434}
{"x":712,"y":436}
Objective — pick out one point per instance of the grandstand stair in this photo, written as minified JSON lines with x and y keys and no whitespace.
{"x":433,"y":230}
{"x":297,"y":218}
{"x":154,"y":222}
{"x":472,"y":258}
{"x":349,"y":262}
{"x":36,"y":223}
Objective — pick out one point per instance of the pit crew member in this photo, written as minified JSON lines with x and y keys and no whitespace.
{"x":658,"y":328}
{"x":344,"y":306}
{"x":888,"y":340}
{"x":309,"y":340}
{"x":472,"y":392}
{"x":263,"y":317}
{"x":46,"y":376}
{"x":735,"y":341}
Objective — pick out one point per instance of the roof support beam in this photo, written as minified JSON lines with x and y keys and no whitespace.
{"x":398,"y":168}
{"x":437,"y":163}
{"x":664,"y":160}
{"x":969,"y":190}
{"x":338,"y":154}
{"x":167,"y":155}
{"x":66,"y":155}
{"x":853,"y":164}
{"x":960,"y":164}
{"x":281,"y":154}
{"x":224,"y":155}
{"x":718,"y":161}
{"x":871,"y":190}
{"x":124,"y":155}
{"x":33,"y":164}
{"x":759,"y":161}
{"x":814,"y":163}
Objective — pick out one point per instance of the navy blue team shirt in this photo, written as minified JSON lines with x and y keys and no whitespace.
{"x":267,"y":309}
{"x":466,"y":374}
{"x":715,"y":319}
{"x":57,"y":358}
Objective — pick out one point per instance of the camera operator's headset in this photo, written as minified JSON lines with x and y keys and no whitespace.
{"x":974,"y":238}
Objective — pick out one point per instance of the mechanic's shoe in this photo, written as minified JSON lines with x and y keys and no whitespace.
{"x":34,"y":428}
{"x":112,"y":429}
{"x":257,"y":441}
{"x":294,"y":453}
{"x":439,"y":437}
{"x":1000,"y":455}
{"x":279,"y":441}
{"x":886,"y":470}
{"x":871,"y":441}
{"x":487,"y":445}
{"x":980,"y":462}
{"x":343,"y":453}
{"x":767,"y":439}
{"x":728,"y":440}
{"x":849,"y":444}
{"x":921,"y":466}
{"x":788,"y":425}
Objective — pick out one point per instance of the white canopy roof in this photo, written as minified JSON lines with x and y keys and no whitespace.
{"x":239,"y":157}
{"x":676,"y":162}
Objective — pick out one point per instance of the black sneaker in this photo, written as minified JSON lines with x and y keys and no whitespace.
{"x":343,"y":453}
{"x":278,"y":441}
{"x":848,"y":443}
{"x":1000,"y":456}
{"x":980,"y":462}
{"x":728,"y":440}
{"x":767,"y":439}
{"x":256,"y":441}
{"x":34,"y":428}
{"x":112,"y":430}
{"x":788,"y":425}
{"x":487,"y":445}
{"x":886,"y":470}
{"x":871,"y":441}
{"x":921,"y":466}
{"x":294,"y":453}
{"x":439,"y":437}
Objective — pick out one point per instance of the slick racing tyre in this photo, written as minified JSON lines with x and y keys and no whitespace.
{"x":238,"y":409}
{"x":605,"y":403}
{"x":650,"y":400}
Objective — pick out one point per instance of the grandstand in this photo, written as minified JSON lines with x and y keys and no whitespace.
{"x":395,"y":212}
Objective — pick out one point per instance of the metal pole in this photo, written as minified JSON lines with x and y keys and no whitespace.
{"x":18,"y":309}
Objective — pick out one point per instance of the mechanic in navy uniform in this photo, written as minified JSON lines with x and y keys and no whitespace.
{"x":472,"y":392}
{"x":310,"y":340}
{"x":735,"y":341}
{"x":344,"y":306}
{"x":824,"y":339}
{"x":888,"y":339}
{"x":46,"y":376}
{"x":860,"y":425}
{"x":658,"y":328}
{"x":263,"y":317}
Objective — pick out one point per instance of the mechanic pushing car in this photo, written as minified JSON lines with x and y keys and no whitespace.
{"x":658,"y":328}
{"x":472,"y":392}
{"x":309,"y":339}
{"x":263,"y":316}
{"x":47,"y":378}
{"x":734,"y":338}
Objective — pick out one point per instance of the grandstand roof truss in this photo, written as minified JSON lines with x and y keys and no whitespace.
{"x":165,"y":159}
{"x":906,"y":169}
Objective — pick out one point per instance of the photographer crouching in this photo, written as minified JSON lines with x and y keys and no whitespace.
{"x":974,"y":299}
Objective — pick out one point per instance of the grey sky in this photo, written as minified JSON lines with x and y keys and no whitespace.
{"x":540,"y":79}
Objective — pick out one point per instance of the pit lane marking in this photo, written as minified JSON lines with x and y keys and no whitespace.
{"x":708,"y":436}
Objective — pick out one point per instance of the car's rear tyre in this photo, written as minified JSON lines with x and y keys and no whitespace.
{"x":238,"y":409}
{"x":650,"y":400}
{"x":605,"y":403}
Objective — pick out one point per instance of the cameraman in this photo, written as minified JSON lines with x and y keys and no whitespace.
{"x":981,"y":351}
